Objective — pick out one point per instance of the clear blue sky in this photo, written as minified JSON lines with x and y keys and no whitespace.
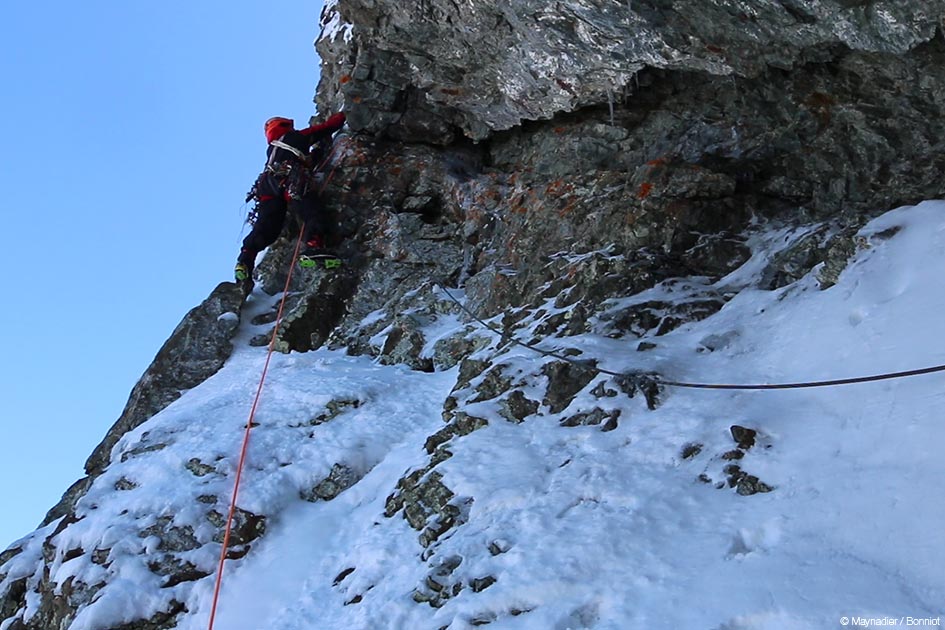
{"x":131,"y":132}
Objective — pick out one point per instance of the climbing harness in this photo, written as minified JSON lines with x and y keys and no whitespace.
{"x":288,"y":147}
{"x":290,"y":175}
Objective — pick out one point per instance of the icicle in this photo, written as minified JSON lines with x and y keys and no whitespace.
{"x":610,"y":104}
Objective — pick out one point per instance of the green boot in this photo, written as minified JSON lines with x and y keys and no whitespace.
{"x":242,"y":272}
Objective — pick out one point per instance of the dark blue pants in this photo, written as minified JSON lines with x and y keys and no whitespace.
{"x":270,"y":220}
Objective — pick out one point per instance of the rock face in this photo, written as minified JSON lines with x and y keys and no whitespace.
{"x":553,"y":162}
{"x":483,"y":66}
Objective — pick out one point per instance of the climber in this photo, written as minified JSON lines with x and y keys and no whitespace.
{"x":284,"y":184}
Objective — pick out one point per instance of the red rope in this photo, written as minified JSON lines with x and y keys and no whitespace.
{"x":252,"y":411}
{"x":249,"y":426}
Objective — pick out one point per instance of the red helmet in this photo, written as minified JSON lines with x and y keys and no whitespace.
{"x":277,"y":126}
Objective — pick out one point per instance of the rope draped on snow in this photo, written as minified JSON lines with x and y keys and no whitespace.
{"x":653,"y":378}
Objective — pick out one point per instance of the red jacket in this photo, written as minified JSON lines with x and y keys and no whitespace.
{"x":333,"y":124}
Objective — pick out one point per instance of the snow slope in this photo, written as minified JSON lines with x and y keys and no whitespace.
{"x":574,"y":527}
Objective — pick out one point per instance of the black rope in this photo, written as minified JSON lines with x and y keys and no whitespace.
{"x":591,"y":365}
{"x":586,"y":363}
{"x":830,"y":383}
